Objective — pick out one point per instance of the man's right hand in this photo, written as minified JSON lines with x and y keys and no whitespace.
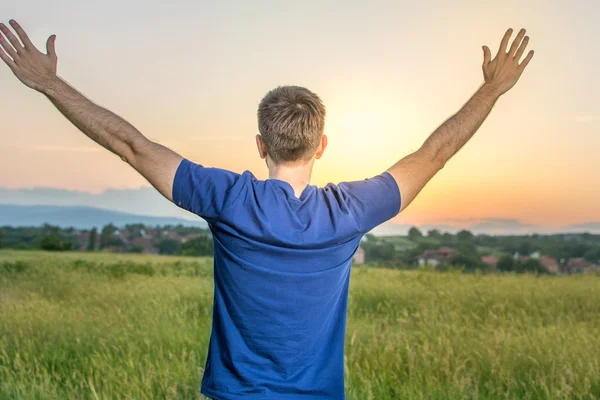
{"x":34,"y":68}
{"x":37,"y":70}
{"x":504,"y":70}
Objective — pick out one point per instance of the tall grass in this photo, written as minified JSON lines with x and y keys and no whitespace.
{"x":105,"y":326}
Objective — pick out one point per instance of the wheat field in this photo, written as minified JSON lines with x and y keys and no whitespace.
{"x":105,"y":326}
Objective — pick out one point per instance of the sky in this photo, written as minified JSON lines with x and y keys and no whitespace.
{"x":190,"y":75}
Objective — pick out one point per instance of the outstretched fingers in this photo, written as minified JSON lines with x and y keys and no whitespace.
{"x":504,"y":42}
{"x":8,"y":60}
{"x":526,"y":61}
{"x":521,"y":48}
{"x":8,"y":49}
{"x":22,"y":34}
{"x":516,"y":43}
{"x":11,"y":38}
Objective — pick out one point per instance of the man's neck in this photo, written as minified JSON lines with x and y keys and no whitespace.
{"x":297,"y":175}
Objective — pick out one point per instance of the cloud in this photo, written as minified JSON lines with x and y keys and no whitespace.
{"x":219,"y":138}
{"x":69,"y":149}
{"x":356,"y":122}
{"x":587,"y":118}
{"x":490,"y":225}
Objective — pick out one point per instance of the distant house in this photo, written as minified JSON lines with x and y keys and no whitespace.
{"x":549,"y":264}
{"x":84,"y":240}
{"x":145,"y":244}
{"x":490,"y":261}
{"x":520,"y":257}
{"x":579,"y":265}
{"x":172,"y":235}
{"x":359,"y":256}
{"x":436,"y":257}
{"x":148,"y":233}
{"x":123,"y":236}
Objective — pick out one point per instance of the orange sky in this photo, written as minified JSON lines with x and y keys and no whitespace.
{"x":389,"y":73}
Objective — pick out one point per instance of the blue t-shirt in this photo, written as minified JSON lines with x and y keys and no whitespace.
{"x":281,"y":274}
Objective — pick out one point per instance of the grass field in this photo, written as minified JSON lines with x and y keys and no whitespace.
{"x":102,"y":326}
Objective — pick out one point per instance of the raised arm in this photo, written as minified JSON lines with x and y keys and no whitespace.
{"x":415,"y":170}
{"x":38,"y":71}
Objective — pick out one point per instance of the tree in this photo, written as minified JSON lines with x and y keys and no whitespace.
{"x":199,"y":246}
{"x":414,"y":233}
{"x":447,"y":238}
{"x":1,"y":240}
{"x":592,"y":255}
{"x":434,"y":233}
{"x":506,"y":264}
{"x":370,"y":237}
{"x":169,"y":246}
{"x":525,"y":247}
{"x":107,"y":235}
{"x":468,"y":261}
{"x":51,"y":242}
{"x":466,"y":247}
{"x":531,"y":265}
{"x":92,"y":239}
{"x":464,"y":235}
{"x":380,"y":251}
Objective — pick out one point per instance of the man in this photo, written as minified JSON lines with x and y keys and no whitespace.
{"x":283,"y":247}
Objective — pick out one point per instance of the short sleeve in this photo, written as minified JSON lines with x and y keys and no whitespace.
{"x":201,"y":190}
{"x":372,"y":201}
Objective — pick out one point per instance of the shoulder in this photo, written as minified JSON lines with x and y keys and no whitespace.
{"x":371,"y":201}
{"x":365,"y":187}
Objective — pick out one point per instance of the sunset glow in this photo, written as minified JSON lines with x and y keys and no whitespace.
{"x":190,"y":76}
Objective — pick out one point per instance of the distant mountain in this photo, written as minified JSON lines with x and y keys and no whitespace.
{"x":496,"y":226}
{"x":142,"y":201}
{"x":487,"y":226}
{"x":442,"y":228}
{"x":146,"y":202}
{"x":81,"y":217}
{"x":592,"y":227}
{"x":391,"y":229}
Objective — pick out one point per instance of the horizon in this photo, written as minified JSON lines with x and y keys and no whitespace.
{"x":69,"y":215}
{"x":388,"y":75}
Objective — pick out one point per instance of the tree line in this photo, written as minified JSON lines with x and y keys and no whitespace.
{"x":403,"y":251}
{"x":54,"y":238}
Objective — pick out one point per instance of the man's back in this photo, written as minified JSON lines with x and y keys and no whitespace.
{"x":282,"y":268}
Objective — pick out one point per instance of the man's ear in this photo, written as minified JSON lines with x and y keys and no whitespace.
{"x":321,"y":147}
{"x":260,"y":145}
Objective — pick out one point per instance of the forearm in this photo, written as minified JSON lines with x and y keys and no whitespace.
{"x":452,"y":135}
{"x":99,"y":124}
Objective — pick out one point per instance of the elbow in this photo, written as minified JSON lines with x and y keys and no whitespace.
{"x":435,"y":157}
{"x":440,"y":162}
{"x":131,"y":151}
{"x":126,"y":153}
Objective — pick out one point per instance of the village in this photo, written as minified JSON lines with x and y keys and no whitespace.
{"x":142,"y":240}
{"x":551,"y":254}
{"x":148,"y":240}
{"x":550,"y":265}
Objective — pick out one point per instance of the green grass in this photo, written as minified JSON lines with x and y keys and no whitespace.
{"x":105,"y":326}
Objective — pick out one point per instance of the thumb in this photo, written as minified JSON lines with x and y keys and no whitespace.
{"x":487,"y":55}
{"x":50,"y":47}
